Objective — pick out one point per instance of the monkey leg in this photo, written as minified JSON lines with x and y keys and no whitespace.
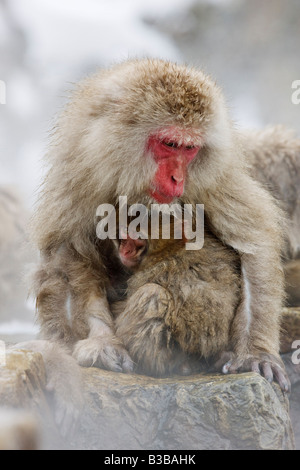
{"x":142,"y":328}
{"x":51,"y":287}
{"x":101,"y":348}
{"x":93,"y":325}
{"x":256,"y":325}
{"x":73,"y":310}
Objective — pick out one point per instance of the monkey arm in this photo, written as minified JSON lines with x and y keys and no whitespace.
{"x":93,"y":322}
{"x":73,"y":309}
{"x":247,"y":219}
{"x":51,"y":289}
{"x":101,"y":348}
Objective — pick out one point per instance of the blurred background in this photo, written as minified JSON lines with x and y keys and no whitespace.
{"x":252,"y":49}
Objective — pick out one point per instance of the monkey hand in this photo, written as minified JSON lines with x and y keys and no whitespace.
{"x":103,"y":352}
{"x":268,"y":365}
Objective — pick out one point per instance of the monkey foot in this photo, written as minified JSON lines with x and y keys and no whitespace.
{"x":105,"y":353}
{"x":267,"y":365}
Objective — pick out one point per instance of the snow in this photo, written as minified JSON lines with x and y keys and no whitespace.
{"x":80,"y":31}
{"x":46,"y":45}
{"x":65,"y":40}
{"x":16,"y":327}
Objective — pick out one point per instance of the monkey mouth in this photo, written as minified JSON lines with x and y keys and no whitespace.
{"x":130,"y":260}
{"x":163,"y":198}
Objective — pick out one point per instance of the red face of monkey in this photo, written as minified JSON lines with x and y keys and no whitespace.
{"x":172,"y":155}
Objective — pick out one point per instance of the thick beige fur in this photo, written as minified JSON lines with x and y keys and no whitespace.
{"x":274,"y":156}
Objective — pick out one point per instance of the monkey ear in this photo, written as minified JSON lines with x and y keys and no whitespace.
{"x":106,"y":105}
{"x":109,"y":97}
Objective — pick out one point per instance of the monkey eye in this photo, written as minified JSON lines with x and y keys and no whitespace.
{"x":189,"y":147}
{"x":171,"y":144}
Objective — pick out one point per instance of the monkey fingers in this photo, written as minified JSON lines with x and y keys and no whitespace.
{"x":272,"y":370}
{"x":267,"y":365}
{"x":223,"y":358}
{"x":266,"y":370}
{"x":103,"y":353}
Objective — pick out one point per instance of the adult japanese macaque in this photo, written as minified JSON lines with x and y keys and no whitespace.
{"x":156,"y":132}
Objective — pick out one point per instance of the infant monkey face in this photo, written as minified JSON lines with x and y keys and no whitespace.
{"x":131,"y":250}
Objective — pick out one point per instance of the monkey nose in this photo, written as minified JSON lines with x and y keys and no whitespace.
{"x":178,"y":172}
{"x":177,"y":178}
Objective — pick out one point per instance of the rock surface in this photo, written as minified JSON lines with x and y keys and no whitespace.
{"x":291,"y":333}
{"x":198,"y":412}
{"x":293,"y":370}
{"x":137,"y":412}
{"x":22,"y":389}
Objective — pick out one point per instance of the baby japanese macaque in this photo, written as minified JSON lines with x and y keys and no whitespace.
{"x":181,"y":306}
